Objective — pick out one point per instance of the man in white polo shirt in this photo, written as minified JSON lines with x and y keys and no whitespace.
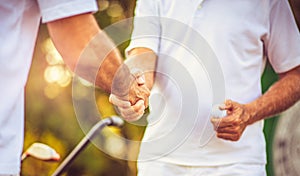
{"x":240,"y":35}
{"x":71,"y":26}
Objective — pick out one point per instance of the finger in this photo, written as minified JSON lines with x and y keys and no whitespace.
{"x":139,"y":76}
{"x":131,"y":112}
{"x":227,"y":105}
{"x":222,"y":107}
{"x":228,"y":102}
{"x":146,"y":101}
{"x":134,"y":117}
{"x":228,"y":130}
{"x":230,"y":137}
{"x":133,"y":109}
{"x":141,"y":79}
{"x":146,"y":104}
{"x":119,"y":102}
{"x":215,"y":122}
{"x":227,"y":121}
{"x":138,"y":92}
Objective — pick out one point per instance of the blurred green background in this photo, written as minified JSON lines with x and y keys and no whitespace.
{"x":50,"y":117}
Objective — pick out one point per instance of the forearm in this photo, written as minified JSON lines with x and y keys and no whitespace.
{"x":283,"y":94}
{"x":90,"y":53}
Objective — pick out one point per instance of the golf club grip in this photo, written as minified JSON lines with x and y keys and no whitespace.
{"x":111,"y":121}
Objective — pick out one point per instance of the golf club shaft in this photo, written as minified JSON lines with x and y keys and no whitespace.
{"x":85,"y":141}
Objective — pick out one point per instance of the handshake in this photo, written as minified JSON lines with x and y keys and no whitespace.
{"x":132,"y":106}
{"x":133,"y":102}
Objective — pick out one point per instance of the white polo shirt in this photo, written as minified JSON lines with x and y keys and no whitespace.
{"x":19,"y":23}
{"x":241,"y":34}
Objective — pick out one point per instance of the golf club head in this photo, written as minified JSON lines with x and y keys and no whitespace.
{"x":42,"y":152}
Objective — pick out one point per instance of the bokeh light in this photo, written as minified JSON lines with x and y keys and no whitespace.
{"x":115,"y":146}
{"x":115,"y":10}
{"x":53,"y":74}
{"x":56,"y":74}
{"x":52,"y":55}
{"x":103,"y":5}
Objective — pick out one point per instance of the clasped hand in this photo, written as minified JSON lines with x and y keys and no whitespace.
{"x":132,"y":107}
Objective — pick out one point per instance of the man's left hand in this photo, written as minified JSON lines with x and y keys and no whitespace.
{"x":233,"y":125}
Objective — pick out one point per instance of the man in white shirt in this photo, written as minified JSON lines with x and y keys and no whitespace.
{"x":72,"y":28}
{"x":240,"y":35}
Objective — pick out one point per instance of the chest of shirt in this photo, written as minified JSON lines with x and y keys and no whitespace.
{"x":227,"y":19}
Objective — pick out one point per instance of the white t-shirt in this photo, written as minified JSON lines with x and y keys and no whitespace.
{"x":19,"y":23}
{"x":239,"y":35}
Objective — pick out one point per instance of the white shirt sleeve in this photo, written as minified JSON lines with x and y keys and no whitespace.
{"x":283,"y":40}
{"x":146,"y":31}
{"x":57,"y":9}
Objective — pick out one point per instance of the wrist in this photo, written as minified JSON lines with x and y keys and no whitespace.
{"x":251,"y":110}
{"x":122,"y":81}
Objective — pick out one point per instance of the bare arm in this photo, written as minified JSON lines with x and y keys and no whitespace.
{"x":84,"y":47}
{"x":282,"y":95}
{"x":71,"y":36}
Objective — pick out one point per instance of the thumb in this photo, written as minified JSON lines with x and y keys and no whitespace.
{"x":139,"y":75}
{"x":228,"y":105}
{"x":140,"y":79}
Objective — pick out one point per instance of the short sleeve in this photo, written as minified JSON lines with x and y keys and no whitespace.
{"x":56,"y":9}
{"x":283,"y":40}
{"x":146,"y":30}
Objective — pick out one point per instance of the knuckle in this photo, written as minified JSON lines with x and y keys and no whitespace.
{"x":124,"y":115}
{"x":236,"y":137}
{"x":237,"y":129}
{"x":236,"y":122}
{"x":136,"y":109}
{"x":139,"y":108}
